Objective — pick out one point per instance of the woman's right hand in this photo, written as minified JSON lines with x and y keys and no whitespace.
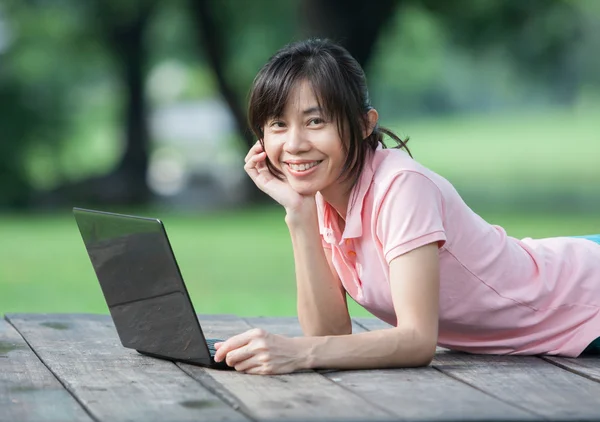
{"x":279,"y":190}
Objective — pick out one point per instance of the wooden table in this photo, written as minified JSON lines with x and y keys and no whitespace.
{"x":63,"y":367}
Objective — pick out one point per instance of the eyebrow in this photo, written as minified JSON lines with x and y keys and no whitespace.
{"x":312,"y":110}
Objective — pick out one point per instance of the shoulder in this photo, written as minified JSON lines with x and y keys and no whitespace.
{"x":394,"y":171}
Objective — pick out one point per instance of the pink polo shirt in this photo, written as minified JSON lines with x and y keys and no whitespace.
{"x":498,"y":294}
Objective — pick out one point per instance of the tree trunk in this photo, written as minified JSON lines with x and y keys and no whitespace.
{"x":127,"y":41}
{"x":355,"y":24}
{"x":126,"y":184}
{"x":210,"y":39}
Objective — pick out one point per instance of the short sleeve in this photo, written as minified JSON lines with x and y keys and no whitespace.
{"x":410,"y":215}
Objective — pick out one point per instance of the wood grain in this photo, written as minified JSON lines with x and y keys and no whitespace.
{"x":28,"y":390}
{"x":531,"y":383}
{"x":77,"y":370}
{"x":587,"y":366}
{"x":114,"y":383}
{"x":421,"y":394}
{"x":528,"y":382}
{"x":299,"y":396}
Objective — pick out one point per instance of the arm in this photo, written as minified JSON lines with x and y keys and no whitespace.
{"x":322,"y":308}
{"x":414,"y":279}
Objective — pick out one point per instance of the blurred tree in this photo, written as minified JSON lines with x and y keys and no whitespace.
{"x":124,"y":25}
{"x":121,"y":27}
{"x":540,"y":35}
{"x":235,"y":39}
{"x":355,"y":24}
{"x":212,"y":38}
{"x":23,"y":125}
{"x":31,"y":106}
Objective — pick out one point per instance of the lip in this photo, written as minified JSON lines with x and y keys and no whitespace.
{"x":300,"y":161}
{"x":303,"y":173}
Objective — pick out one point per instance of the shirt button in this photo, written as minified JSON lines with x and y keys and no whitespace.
{"x":351,"y":253}
{"x":348,"y":242}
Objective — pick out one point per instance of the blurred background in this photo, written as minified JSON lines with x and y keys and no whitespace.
{"x":138,"y":106}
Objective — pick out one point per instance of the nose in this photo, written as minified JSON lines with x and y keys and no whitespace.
{"x":296,"y":142}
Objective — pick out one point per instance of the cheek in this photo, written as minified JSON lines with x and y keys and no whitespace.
{"x":273,"y":151}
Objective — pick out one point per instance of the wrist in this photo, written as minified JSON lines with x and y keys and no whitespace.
{"x":302,"y":212}
{"x":306,"y":352}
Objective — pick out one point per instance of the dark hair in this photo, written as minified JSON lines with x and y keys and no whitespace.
{"x":340,"y":86}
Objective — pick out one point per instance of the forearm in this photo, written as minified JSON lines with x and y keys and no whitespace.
{"x":389,"y":348}
{"x":322,"y":308}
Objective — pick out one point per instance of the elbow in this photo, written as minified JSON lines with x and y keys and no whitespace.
{"x":425,"y":356}
{"x":426,"y":352}
{"x":421,"y":348}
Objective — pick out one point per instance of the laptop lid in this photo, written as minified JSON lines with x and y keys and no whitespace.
{"x":142,"y":285}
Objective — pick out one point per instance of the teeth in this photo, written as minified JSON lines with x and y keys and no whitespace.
{"x":303,"y":167}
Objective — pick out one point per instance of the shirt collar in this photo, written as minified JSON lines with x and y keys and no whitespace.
{"x":353,"y":227}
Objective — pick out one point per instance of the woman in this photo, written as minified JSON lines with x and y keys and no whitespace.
{"x":374,"y":223}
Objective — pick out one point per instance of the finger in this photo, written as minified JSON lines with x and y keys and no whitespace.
{"x":256,"y":148}
{"x":261,"y":369}
{"x":261,"y":156}
{"x":252,"y":167}
{"x":255,"y":160}
{"x":238,"y":356}
{"x":248,"y":365}
{"x":233,"y":343}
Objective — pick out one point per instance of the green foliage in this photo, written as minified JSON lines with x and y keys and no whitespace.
{"x":254,"y":34}
{"x":61,"y":101}
{"x":40,"y":82}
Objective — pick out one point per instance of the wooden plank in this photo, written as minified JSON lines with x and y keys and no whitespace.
{"x":371,"y":324}
{"x":525,"y":381}
{"x":528,"y":382}
{"x":300,"y":396}
{"x":112,"y":382}
{"x":416,"y":394}
{"x":587,"y":366}
{"x":28,"y":390}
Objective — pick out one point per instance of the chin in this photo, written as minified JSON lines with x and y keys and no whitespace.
{"x":304,"y":189}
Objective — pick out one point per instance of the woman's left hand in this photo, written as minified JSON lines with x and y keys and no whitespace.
{"x":259,"y":352}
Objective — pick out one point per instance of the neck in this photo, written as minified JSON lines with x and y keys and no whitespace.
{"x":338,"y":196}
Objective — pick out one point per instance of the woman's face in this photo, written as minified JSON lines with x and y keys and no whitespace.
{"x":303,"y":145}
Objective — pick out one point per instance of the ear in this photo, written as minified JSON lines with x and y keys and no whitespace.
{"x":372,"y":119}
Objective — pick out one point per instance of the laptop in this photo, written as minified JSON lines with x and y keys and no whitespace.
{"x":143,"y":287}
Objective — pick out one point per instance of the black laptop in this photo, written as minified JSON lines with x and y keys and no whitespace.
{"x":143,"y":287}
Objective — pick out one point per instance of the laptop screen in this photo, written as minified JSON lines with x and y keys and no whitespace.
{"x":142,"y":284}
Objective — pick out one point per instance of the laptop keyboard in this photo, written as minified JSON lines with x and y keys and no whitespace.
{"x":210,"y":342}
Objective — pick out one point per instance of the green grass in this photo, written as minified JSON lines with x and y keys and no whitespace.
{"x":545,"y":149}
{"x":237,"y":262}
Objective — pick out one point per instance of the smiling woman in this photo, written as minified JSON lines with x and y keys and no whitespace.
{"x":305,"y":146}
{"x":377,"y":225}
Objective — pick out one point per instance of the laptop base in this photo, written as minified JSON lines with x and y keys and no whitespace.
{"x":213,"y":364}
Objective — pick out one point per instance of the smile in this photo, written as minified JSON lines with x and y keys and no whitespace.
{"x":303,"y":166}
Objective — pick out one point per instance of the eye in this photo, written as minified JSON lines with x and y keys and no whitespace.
{"x":276,"y":124}
{"x":316,"y":121}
